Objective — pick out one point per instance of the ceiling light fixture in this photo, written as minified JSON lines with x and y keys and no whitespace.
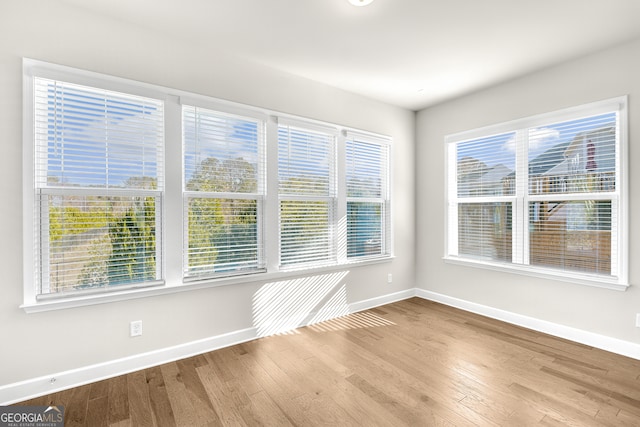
{"x":360,"y":2}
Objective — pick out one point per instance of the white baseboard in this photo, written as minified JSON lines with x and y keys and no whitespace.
{"x":614,"y":345}
{"x":382,"y":300}
{"x":25,"y":390}
{"x":55,"y":382}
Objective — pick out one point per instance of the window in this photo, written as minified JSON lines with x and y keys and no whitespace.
{"x":367,"y":175}
{"x":133,"y":189}
{"x":223,"y":193}
{"x":98,"y":188}
{"x":307,"y":189}
{"x":543,"y":195}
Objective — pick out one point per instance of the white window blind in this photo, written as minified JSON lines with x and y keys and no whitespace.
{"x":367,"y":165}
{"x":307,"y":188}
{"x":545,"y":195}
{"x":485,"y":178}
{"x":98,"y":188}
{"x":573,"y":197}
{"x":223,"y":193}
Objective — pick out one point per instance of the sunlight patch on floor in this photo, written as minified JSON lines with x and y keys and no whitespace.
{"x":363,"y":319}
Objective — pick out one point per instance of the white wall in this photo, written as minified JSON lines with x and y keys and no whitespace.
{"x":42,"y":344}
{"x":603,"y":75}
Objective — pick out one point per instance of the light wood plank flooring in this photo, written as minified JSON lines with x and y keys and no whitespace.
{"x":414,"y":363}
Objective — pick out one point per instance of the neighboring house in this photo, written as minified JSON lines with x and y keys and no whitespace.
{"x":585,"y":164}
{"x":477,"y":179}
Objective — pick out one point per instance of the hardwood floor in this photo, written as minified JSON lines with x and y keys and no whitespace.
{"x":414,"y":363}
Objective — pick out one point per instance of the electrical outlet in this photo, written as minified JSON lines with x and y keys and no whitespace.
{"x":638,"y":320}
{"x":389,"y":278}
{"x":135,"y":328}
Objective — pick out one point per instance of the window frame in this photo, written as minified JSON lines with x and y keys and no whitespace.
{"x":384,"y":199}
{"x":259,"y":196}
{"x":173,"y":220}
{"x":330,"y":198}
{"x":521,"y":198}
{"x":32,"y":194}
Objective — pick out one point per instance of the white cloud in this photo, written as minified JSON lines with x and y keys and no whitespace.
{"x":542,"y":136}
{"x":539,"y":139}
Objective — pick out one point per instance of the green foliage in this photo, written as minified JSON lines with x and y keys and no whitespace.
{"x":307,"y":221}
{"x":113,"y":239}
{"x":239,"y":228}
{"x":229,"y":176}
{"x":205,"y":223}
{"x":94,"y":273}
{"x":55,"y":224}
{"x":72,"y":220}
{"x":133,"y":244}
{"x":125,"y":251}
{"x":144,"y":182}
{"x":309,"y":185}
{"x":215,"y":223}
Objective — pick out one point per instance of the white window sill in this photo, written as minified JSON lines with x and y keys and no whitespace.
{"x":81,"y":299}
{"x":545,"y":273}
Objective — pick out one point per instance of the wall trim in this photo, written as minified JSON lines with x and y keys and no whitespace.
{"x":614,"y":345}
{"x":31,"y":388}
{"x":381,"y":300}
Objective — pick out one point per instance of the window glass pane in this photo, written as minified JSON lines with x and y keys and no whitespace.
{"x":305,"y":232}
{"x":486,"y":166}
{"x":88,"y":137}
{"x":221,"y":152}
{"x":576,"y":156}
{"x":89,"y":141}
{"x":364,"y":229}
{"x":306,"y":172}
{"x":561,"y":178}
{"x":99,"y":241}
{"x":223,"y":156}
{"x":305,"y":160}
{"x":366,"y":166}
{"x":484,"y":230}
{"x":222,"y":236}
{"x":572,"y":235}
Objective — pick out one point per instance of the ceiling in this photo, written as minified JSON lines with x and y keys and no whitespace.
{"x":409,"y":53}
